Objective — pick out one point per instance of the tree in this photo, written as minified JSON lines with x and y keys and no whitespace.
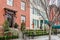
{"x":47,"y":9}
{"x":23,"y":28}
{"x":6,"y":26}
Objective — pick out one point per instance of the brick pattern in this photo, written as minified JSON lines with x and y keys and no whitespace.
{"x":1,"y":31}
{"x":17,"y":7}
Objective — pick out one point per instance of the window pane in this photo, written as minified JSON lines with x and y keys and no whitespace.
{"x":38,"y":23}
{"x":23,"y":5}
{"x":10,"y":19}
{"x":10,"y":2}
{"x":36,"y":11}
{"x":23,"y":18}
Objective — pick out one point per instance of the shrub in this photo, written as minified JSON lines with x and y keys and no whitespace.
{"x":14,"y":32}
{"x":6,"y":26}
{"x":35,"y":32}
{"x":22,"y":26}
{"x":15,"y":25}
{"x":8,"y":37}
{"x":9,"y":33}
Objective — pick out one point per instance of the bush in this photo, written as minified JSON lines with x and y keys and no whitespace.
{"x":6,"y":26}
{"x":35,"y":33}
{"x":14,"y":31}
{"x":8,"y":37}
{"x":9,"y":33}
{"x":22,"y":26}
{"x":15,"y":25}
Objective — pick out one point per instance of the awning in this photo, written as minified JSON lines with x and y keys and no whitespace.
{"x":56,"y":26}
{"x":46,"y":21}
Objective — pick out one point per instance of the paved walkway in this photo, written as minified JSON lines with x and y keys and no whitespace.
{"x":41,"y":38}
{"x":53,"y":37}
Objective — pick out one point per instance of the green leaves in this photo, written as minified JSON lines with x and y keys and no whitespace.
{"x":35,"y":32}
{"x":15,"y":25}
{"x":6,"y":26}
{"x":22,"y":26}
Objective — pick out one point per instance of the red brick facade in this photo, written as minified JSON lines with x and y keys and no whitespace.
{"x":17,"y":7}
{"x":52,"y":14}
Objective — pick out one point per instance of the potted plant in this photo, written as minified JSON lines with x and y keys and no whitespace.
{"x":15,"y":25}
{"x":22,"y":29}
{"x":22,"y":26}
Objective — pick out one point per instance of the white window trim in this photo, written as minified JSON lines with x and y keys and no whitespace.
{"x":10,"y":3}
{"x":23,"y":18}
{"x":23,"y":5}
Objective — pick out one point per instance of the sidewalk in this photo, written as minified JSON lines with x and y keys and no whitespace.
{"x":53,"y":37}
{"x":58,"y":35}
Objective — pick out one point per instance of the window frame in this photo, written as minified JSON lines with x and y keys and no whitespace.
{"x":10,"y":4}
{"x":24,"y":5}
{"x":21,"y":18}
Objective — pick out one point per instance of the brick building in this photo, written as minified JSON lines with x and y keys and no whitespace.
{"x":54,"y":4}
{"x":15,"y":11}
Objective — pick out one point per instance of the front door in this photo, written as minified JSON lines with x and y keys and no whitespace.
{"x":10,"y":16}
{"x":10,"y":19}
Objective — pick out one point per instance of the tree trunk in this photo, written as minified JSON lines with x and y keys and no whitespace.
{"x":49,"y":32}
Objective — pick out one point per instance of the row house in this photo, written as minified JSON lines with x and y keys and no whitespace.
{"x":15,"y":11}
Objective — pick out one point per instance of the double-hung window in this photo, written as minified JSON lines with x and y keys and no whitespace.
{"x":23,"y":5}
{"x":10,"y":2}
{"x":23,"y":18}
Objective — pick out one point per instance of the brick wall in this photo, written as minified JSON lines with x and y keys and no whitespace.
{"x":16,"y":7}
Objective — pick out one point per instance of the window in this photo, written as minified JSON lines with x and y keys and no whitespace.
{"x":52,"y":2}
{"x":36,"y":23}
{"x":36,"y":11}
{"x":10,"y":2}
{"x":31,"y":9}
{"x":23,"y":5}
{"x":23,"y":18}
{"x":58,"y":2}
{"x":37,"y":2}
